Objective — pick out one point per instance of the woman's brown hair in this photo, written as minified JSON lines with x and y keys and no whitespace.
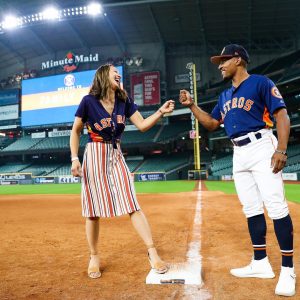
{"x":101,"y":84}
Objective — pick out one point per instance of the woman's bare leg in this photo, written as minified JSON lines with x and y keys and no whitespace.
{"x":92,"y":235}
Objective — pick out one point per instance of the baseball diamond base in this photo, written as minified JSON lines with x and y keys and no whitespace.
{"x":181,"y":273}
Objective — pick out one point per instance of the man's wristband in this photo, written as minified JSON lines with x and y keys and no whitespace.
{"x":190,"y":105}
{"x":74,"y":158}
{"x":281,"y":152}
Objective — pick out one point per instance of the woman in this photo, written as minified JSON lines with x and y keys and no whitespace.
{"x":107,"y":187}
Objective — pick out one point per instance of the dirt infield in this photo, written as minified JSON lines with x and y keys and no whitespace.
{"x":43,"y":253}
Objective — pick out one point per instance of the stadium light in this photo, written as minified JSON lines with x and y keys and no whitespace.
{"x":11,"y":22}
{"x":50,"y":13}
{"x":129,"y":61}
{"x":138,"y":61}
{"x":94,"y":9}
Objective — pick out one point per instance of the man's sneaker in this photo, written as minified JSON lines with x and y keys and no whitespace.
{"x":286,"y":283}
{"x":257,"y":268}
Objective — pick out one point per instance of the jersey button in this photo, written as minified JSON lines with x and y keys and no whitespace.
{"x":234,"y":126}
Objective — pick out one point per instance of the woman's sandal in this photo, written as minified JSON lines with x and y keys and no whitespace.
{"x":160,"y":266}
{"x":94,"y":267}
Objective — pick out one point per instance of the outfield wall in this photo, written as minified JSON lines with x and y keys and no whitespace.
{"x":27,"y":178}
{"x":285,"y":176}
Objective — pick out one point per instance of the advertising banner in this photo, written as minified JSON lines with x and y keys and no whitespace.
{"x":181,"y":78}
{"x":289,"y":176}
{"x":68,"y":179}
{"x":9,"y":112}
{"x":59,"y":133}
{"x":155,"y":176}
{"x":43,"y":180}
{"x":145,"y":88}
{"x":8,"y":126}
{"x":38,"y":135}
{"x":9,"y":97}
{"x":8,"y":179}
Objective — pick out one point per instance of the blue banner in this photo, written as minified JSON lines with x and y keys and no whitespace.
{"x":151,"y":176}
{"x":57,"y":82}
{"x":9,"y":97}
{"x":49,"y":116}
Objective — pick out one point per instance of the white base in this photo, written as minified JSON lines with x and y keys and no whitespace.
{"x":184,"y":273}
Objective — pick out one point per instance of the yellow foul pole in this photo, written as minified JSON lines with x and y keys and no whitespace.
{"x":195,"y":124}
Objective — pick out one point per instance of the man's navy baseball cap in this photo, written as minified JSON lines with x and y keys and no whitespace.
{"x":229,"y":51}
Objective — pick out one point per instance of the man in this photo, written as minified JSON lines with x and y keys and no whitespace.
{"x":247,"y":109}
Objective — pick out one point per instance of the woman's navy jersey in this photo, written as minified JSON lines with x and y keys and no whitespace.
{"x":100,"y":124}
{"x":249,"y":107}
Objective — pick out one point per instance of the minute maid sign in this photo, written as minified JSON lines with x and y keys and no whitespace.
{"x":70,"y":62}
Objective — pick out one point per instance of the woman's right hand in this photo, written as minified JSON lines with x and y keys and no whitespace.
{"x":76,"y":168}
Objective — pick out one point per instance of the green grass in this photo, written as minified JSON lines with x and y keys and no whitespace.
{"x":224,"y":186}
{"x":172,"y":186}
{"x":292,"y":191}
{"x":141,"y":187}
{"x":40,"y":189}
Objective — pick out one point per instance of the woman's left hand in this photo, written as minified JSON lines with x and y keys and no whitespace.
{"x":167,"y":107}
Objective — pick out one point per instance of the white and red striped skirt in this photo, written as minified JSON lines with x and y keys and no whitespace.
{"x":107,"y":186}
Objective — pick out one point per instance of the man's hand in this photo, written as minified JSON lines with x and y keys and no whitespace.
{"x":278,"y":162}
{"x":185,"y":98}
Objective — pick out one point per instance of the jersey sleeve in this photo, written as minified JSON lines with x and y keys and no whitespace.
{"x":130,"y":107}
{"x":216,"y":113}
{"x":82,"y":110}
{"x":271,"y":95}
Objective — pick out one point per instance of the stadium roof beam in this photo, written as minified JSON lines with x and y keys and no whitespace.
{"x":75,"y":32}
{"x":121,"y":43}
{"x":137,"y":2}
{"x":18,"y":56}
{"x":202,"y":29}
{"x":5,"y":45}
{"x":156,"y":25}
{"x":250,"y":11}
{"x":275,"y":43}
{"x":42,"y":43}
{"x":158,"y":30}
{"x":78,"y":36}
{"x":128,"y":3}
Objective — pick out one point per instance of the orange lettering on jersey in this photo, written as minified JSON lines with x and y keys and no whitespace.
{"x":98,"y":127}
{"x":248,"y":105}
{"x":234,"y":102}
{"x":241,"y":102}
{"x":228,"y":105}
{"x":120,"y":119}
{"x":225,"y":109}
{"x":105,"y":122}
